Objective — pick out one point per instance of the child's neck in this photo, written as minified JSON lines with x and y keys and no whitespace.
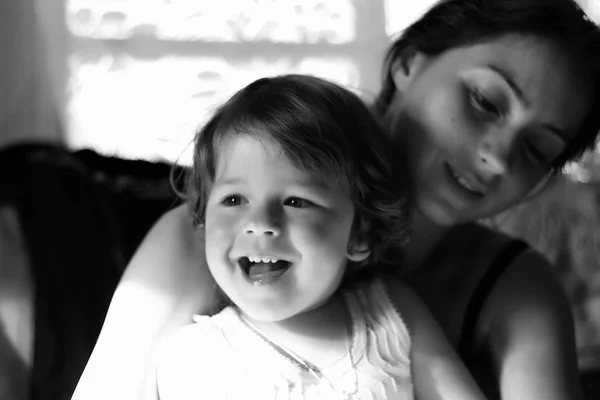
{"x":319,"y":336}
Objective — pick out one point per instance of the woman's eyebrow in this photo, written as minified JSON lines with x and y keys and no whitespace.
{"x":508,"y":77}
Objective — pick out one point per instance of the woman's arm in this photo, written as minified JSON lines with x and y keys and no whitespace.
{"x":527,"y":324}
{"x":438,"y":373}
{"x":166,"y":282}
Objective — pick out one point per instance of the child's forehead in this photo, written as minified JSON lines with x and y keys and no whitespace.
{"x":250,"y":148}
{"x":241,"y":156}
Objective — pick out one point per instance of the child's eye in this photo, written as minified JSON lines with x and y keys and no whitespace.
{"x":483,"y":104}
{"x":233,"y":200}
{"x":297,"y":202}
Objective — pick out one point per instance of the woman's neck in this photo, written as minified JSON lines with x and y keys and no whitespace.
{"x":319,"y":336}
{"x":424,"y":238}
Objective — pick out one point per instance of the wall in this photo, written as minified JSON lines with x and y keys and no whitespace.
{"x":26,"y":108}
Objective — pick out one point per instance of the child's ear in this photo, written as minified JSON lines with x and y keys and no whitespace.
{"x":358,"y":252}
{"x":406,"y":67}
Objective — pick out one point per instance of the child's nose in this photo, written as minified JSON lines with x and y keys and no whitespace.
{"x":262,"y":222}
{"x":258,"y":229}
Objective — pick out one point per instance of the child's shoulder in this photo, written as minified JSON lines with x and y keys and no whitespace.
{"x":384,"y":301}
{"x":388,"y":287}
{"x":203,"y":343}
{"x":194,"y":353}
{"x":405,"y":300}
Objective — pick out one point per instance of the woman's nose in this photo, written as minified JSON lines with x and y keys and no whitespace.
{"x":493,"y":152}
{"x":492,"y":163}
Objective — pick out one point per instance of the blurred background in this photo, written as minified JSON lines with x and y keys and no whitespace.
{"x":132,"y":79}
{"x":135,"y":77}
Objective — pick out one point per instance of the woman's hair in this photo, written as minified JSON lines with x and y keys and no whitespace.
{"x":456,"y":23}
{"x":322,"y":128}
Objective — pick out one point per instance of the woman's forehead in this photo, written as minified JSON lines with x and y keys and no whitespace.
{"x":515,"y":50}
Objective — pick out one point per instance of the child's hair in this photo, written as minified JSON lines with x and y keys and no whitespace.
{"x":455,"y":23}
{"x":321,"y":127}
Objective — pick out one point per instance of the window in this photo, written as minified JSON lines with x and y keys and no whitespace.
{"x":143,"y":74}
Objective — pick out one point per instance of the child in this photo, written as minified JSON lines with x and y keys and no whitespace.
{"x":293,"y":188}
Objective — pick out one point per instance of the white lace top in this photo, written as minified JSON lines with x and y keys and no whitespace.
{"x":220,"y":357}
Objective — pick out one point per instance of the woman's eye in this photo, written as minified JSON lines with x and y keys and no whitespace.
{"x":297,"y":202}
{"x":233,"y":200}
{"x":481,"y":103}
{"x":534,"y":152}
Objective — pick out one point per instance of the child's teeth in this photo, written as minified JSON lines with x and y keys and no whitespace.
{"x":263,"y":259}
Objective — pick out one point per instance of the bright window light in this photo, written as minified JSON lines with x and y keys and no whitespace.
{"x":144,"y":74}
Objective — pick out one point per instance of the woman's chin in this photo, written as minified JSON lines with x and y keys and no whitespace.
{"x":441,"y":214}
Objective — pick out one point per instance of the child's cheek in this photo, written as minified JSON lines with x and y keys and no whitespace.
{"x":314,"y":224}
{"x":221,"y":224}
{"x":321,"y":230}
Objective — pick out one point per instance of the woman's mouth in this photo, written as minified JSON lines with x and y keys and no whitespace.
{"x":261,"y":269}
{"x":473,"y":188}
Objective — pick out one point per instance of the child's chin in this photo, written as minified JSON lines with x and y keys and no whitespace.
{"x":269,"y":315}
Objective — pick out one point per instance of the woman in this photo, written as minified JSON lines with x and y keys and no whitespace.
{"x":486,"y":100}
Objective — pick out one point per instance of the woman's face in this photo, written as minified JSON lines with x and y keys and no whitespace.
{"x":482,"y":125}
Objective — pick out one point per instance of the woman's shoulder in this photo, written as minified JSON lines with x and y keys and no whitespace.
{"x":527,"y":322}
{"x":516,"y":276}
{"x":513,"y":261}
{"x":525,"y":296}
{"x":529,"y":285}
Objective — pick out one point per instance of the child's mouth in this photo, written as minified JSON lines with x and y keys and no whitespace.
{"x":262,"y":270}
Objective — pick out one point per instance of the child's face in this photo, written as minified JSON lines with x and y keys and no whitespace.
{"x":262,"y":209}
